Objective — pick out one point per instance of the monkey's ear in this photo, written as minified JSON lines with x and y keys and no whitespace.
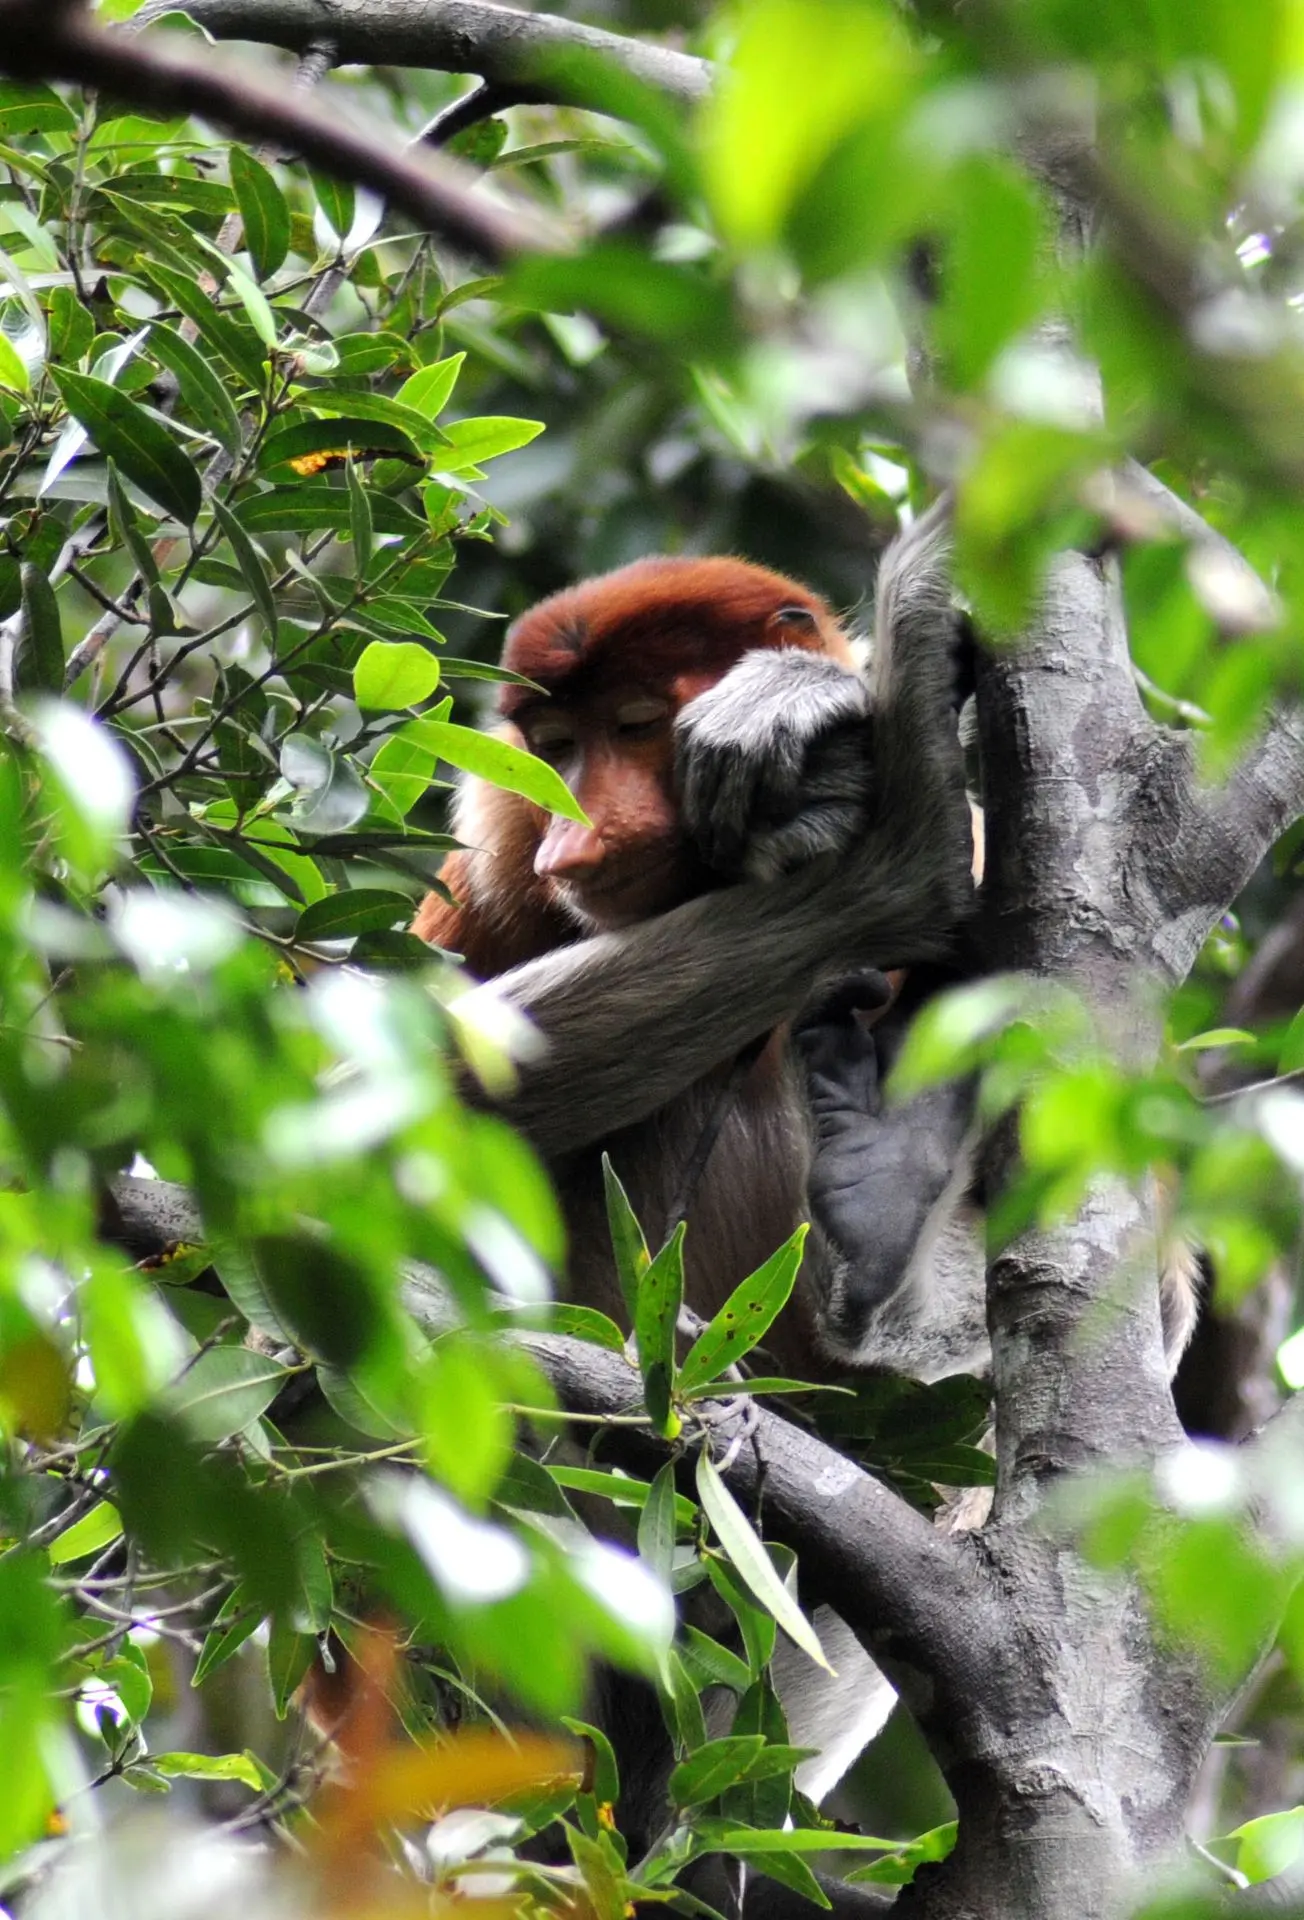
{"x":800,"y":617}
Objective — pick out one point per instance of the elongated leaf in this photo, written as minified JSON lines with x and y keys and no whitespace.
{"x":242,"y":1767}
{"x":656,"y":1317}
{"x":184,"y":192}
{"x":357,"y":910}
{"x":252,"y":570}
{"x":656,"y":1528}
{"x":619,"y":1488}
{"x":472,"y":442}
{"x":38,"y":661}
{"x":358,"y":404}
{"x":726,"y":1836}
{"x":751,"y":1561}
{"x":502,"y":764}
{"x":236,"y":1620}
{"x":402,"y":771}
{"x":430,"y":390}
{"x":306,"y":438}
{"x":360,"y":524}
{"x":201,"y":389}
{"x":95,"y":1530}
{"x":745,"y":1316}
{"x":226,"y":1389}
{"x":309,"y":507}
{"x":263,"y":211}
{"x":140,"y":444}
{"x":336,"y":200}
{"x":13,"y":373}
{"x":391,"y":674}
{"x":236,"y":345}
{"x":627,"y":1242}
{"x":717,"y":1765}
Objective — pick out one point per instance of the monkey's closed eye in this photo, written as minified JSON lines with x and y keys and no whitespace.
{"x":641,"y":714}
{"x":795,"y":617}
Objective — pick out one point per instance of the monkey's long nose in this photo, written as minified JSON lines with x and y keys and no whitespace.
{"x":568,"y":850}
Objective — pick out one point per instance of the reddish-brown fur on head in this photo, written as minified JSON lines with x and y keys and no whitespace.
{"x":660,"y":621}
{"x":635,"y":645}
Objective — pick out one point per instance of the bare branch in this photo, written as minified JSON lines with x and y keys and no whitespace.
{"x":499,"y":44}
{"x":39,"y":41}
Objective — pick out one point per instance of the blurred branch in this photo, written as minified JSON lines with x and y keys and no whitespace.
{"x":44,"y":41}
{"x":504,"y":47}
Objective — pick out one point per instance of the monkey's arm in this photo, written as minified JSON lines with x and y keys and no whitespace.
{"x":632,"y":1018}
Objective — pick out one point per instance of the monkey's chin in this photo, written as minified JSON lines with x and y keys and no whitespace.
{"x":606,"y":906}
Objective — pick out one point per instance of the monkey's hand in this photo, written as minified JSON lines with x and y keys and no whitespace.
{"x":773,"y":764}
{"x":877,"y":1171}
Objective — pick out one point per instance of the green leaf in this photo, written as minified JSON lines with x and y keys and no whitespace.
{"x":1270,"y":1844}
{"x":656,"y":1527}
{"x":746,"y":1315}
{"x":91,"y":1534}
{"x":355,"y":910}
{"x":125,"y":524}
{"x":141,"y":446}
{"x":329,"y":795}
{"x":334,"y":435}
{"x":753,"y":1564}
{"x":1291,"y":1058}
{"x":627,"y":1242}
{"x":1216,"y":1037}
{"x":717,"y":1765}
{"x":360,"y":526}
{"x":71,"y":327}
{"x":38,"y":657}
{"x":245,"y":1768}
{"x":656,"y":1318}
{"x":392,"y":674}
{"x":336,"y":200}
{"x":585,"y":1323}
{"x":201,"y":389}
{"x":289,"y":1656}
{"x":358,"y":404}
{"x":430,"y":389}
{"x":472,"y":442}
{"x":234,"y":343}
{"x":401,"y":769}
{"x":252,"y":570}
{"x":237,"y":1618}
{"x":13,"y":371}
{"x":33,"y":108}
{"x":262,"y":209}
{"x":225,"y":1390}
{"x":620,"y":1488}
{"x":308,"y":507}
{"x":248,"y":293}
{"x":724,"y":1836}
{"x":502,"y":764}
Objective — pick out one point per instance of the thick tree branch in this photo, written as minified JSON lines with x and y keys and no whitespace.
{"x":43,"y":41}
{"x":499,"y":44}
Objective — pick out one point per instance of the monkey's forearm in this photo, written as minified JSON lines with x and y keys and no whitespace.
{"x":632,"y":1018}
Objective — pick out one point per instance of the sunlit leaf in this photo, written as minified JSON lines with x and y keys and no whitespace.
{"x":753,"y":1564}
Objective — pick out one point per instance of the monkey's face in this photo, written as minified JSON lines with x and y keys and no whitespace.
{"x":615,"y":752}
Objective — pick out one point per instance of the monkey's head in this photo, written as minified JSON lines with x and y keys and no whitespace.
{"x":618,"y":657}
